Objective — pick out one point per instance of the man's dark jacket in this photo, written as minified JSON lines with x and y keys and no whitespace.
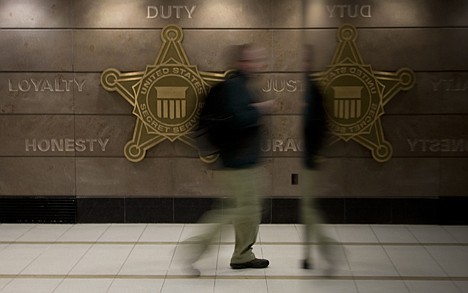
{"x":242,"y":147}
{"x":315,"y":124}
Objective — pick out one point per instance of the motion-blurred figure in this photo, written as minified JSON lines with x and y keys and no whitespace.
{"x":314,"y":134}
{"x":241,"y":175}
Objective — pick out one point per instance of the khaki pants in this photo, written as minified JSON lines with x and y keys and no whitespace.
{"x":246,"y":188}
{"x":311,"y":181}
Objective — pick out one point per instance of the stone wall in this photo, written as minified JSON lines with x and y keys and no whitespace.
{"x":63,"y":134}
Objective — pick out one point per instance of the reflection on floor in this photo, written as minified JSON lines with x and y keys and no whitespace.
{"x":146,"y":258}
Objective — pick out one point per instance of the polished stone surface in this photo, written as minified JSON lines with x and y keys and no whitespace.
{"x":53,"y":54}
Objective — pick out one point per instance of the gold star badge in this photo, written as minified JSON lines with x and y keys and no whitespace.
{"x":356,"y":95}
{"x":166,"y":97}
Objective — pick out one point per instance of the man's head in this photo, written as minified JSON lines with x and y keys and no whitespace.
{"x":251,"y":58}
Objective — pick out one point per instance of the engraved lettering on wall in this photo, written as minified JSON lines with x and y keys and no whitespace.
{"x":65,"y":144}
{"x":349,"y":11}
{"x":282,"y":145}
{"x":45,"y":85}
{"x":435,"y":145}
{"x":283,"y":85}
{"x":450,"y":85}
{"x":170,"y":11}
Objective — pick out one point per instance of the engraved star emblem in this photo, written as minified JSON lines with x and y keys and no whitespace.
{"x":356,"y":95}
{"x":166,"y":97}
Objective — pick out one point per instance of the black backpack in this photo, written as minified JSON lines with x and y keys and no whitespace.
{"x":213,"y":126}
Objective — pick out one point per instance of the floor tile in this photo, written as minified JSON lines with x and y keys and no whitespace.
{"x":4,"y":282}
{"x":381,"y":286}
{"x":3,"y":246}
{"x":136,"y":286}
{"x":44,"y":233}
{"x":102,"y":259}
{"x":432,"y":287}
{"x":31,"y":285}
{"x":148,"y":260}
{"x":206,"y":264}
{"x":369,"y":261}
{"x":278,"y":233}
{"x":84,"y":233}
{"x":393,"y":234}
{"x":452,"y":259}
{"x":327,"y":229}
{"x":11,"y":232}
{"x":151,"y":258}
{"x":285,"y":260}
{"x":196,"y":285}
{"x":462,"y":286}
{"x":57,"y":259}
{"x":122,"y":233}
{"x":240,"y":285}
{"x":288,"y":285}
{"x":88,"y":285}
{"x":356,"y":234}
{"x":192,"y":230}
{"x":306,"y":286}
{"x":414,"y":261}
{"x":162,"y":233}
{"x":431,"y":234}
{"x":460,"y":233}
{"x":15,"y":258}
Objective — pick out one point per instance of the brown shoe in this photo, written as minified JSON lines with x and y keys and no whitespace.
{"x":256,"y":263}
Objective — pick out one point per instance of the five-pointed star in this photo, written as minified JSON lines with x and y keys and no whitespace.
{"x":356,"y":95}
{"x":166,"y":96}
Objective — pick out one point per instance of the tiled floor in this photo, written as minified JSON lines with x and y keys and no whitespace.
{"x":146,"y":258}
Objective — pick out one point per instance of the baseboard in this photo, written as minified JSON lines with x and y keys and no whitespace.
{"x":433,"y":211}
{"x":35,"y":209}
